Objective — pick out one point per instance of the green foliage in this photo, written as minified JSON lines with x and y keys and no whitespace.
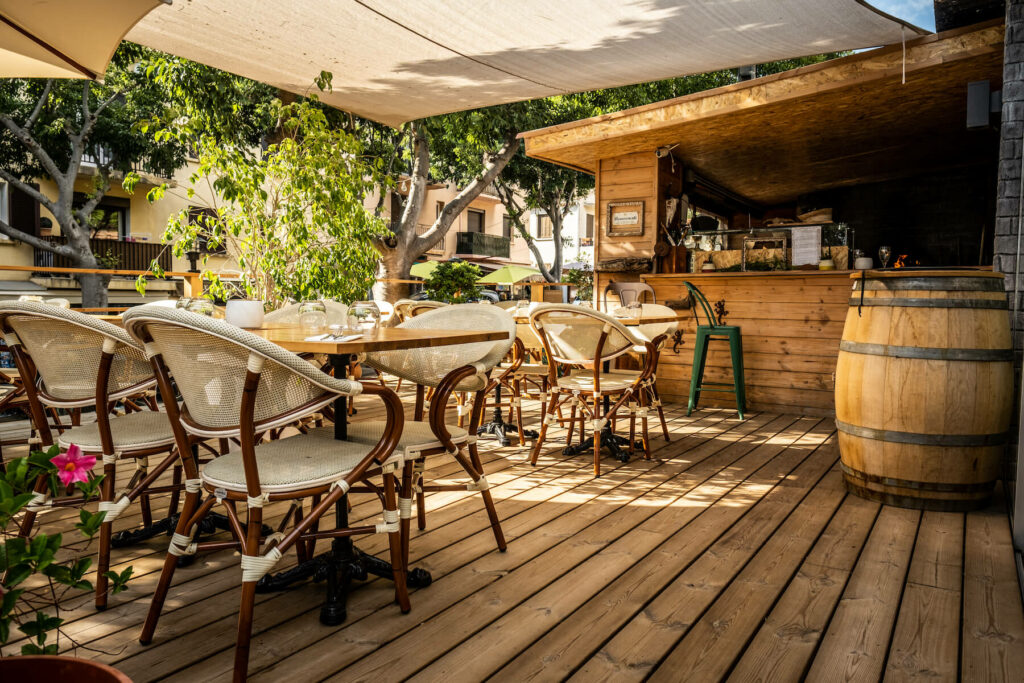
{"x":25,"y":602}
{"x":292,"y":215}
{"x":453,"y":282}
{"x":583,"y":278}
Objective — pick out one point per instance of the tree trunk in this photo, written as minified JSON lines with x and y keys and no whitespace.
{"x":94,"y":286}
{"x":94,"y":290}
{"x":394,"y":265}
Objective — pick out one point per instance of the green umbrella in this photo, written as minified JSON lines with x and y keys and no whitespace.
{"x":508,"y":275}
{"x":423,"y":269}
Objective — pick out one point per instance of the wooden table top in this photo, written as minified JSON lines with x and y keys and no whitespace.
{"x":633,"y":322}
{"x":293,"y":338}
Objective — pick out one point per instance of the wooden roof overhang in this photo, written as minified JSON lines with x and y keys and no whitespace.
{"x":843,"y":122}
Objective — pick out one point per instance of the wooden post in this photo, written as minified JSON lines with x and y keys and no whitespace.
{"x":193,"y":285}
{"x":537,"y":291}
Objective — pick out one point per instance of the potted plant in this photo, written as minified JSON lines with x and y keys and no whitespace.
{"x":39,"y":571}
{"x":453,"y":282}
{"x":583,"y":279}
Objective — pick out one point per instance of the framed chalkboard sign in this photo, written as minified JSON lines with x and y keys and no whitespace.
{"x":625,"y":218}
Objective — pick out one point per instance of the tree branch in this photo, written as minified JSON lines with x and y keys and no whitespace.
{"x":38,"y":109}
{"x":492,"y":168}
{"x":29,"y":190}
{"x":85,"y":211}
{"x":26,"y":139}
{"x":90,"y":121}
{"x":32,"y":240}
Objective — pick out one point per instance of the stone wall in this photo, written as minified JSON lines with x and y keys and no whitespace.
{"x":1008,"y":243}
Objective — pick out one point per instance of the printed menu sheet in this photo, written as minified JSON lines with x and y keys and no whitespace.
{"x":806,"y":243}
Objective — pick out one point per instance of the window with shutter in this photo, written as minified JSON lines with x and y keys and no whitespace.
{"x":23,"y":210}
{"x":474,"y":220}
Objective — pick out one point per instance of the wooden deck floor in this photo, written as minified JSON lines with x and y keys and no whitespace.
{"x":735,"y":554}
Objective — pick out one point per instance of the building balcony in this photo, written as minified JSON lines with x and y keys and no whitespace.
{"x":482,"y":244}
{"x":126,"y":255}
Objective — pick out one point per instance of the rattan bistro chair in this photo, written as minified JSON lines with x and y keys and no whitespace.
{"x":457,"y":367}
{"x":656,"y":335}
{"x":83,"y":361}
{"x":583,"y":340}
{"x":235,"y":384}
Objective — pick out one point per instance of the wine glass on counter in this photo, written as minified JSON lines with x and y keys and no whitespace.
{"x":884,"y":253}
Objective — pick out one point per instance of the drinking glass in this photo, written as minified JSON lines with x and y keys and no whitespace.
{"x":635,"y":309}
{"x":367,"y":315}
{"x":201,"y":306}
{"x":883,"y":255}
{"x":312,"y":316}
{"x":522,"y":308}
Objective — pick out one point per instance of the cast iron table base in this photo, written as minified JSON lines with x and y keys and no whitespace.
{"x":610,"y":440}
{"x":498,"y":428}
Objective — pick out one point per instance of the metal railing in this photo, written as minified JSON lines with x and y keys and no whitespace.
{"x":123,"y":255}
{"x":482,"y":244}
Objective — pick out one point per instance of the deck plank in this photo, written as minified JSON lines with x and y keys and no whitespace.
{"x":735,"y":552}
{"x":708,"y":650}
{"x":784,"y":645}
{"x":993,"y":619}
{"x":926,"y":642}
{"x":679,"y":533}
{"x":855,"y":644}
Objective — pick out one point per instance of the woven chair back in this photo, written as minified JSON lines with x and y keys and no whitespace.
{"x":574,"y":334}
{"x":428,"y":366}
{"x":208,"y":360}
{"x":66,"y":347}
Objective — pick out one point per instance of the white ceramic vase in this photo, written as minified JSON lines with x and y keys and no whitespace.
{"x":244,"y":313}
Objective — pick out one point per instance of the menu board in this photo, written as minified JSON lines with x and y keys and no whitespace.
{"x":806,"y":242}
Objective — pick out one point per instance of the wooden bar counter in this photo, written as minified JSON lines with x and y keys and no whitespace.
{"x":791,"y":322}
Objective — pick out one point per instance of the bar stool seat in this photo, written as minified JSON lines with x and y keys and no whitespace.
{"x":714,"y":330}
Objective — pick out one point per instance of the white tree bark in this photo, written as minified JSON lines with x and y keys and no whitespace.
{"x":400,"y":249}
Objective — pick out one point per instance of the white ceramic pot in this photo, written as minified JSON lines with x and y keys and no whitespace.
{"x":864,"y":263}
{"x":244,"y":313}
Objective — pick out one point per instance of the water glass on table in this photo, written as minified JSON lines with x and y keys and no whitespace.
{"x":312,"y":316}
{"x":364,"y":316}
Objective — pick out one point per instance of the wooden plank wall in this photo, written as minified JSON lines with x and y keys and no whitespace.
{"x":791,"y":325}
{"x":631,"y":177}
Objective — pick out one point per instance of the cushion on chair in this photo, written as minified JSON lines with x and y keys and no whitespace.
{"x":610,"y":381}
{"x":133,"y":431}
{"x":293,"y":463}
{"x":416,"y":436}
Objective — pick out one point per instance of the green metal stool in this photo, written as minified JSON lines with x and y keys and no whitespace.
{"x":715,"y":330}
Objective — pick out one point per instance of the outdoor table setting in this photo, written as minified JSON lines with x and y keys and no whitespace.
{"x":632,"y":316}
{"x":341,"y":346}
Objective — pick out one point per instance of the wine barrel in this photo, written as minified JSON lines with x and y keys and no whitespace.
{"x":924,"y":387}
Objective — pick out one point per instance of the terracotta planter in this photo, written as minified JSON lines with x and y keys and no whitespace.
{"x":54,"y":668}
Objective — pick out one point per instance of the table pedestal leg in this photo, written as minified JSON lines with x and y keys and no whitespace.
{"x":497,"y":427}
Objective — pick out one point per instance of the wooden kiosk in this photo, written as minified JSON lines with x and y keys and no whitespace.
{"x":878,"y":137}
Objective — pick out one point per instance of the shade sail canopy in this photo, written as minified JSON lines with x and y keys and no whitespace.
{"x":398,"y":60}
{"x":64,"y":38}
{"x":508,"y":275}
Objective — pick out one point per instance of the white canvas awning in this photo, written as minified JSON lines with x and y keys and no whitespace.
{"x":64,"y":38}
{"x":396,"y":60}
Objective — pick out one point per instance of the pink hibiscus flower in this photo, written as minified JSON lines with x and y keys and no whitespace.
{"x":73,"y":466}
